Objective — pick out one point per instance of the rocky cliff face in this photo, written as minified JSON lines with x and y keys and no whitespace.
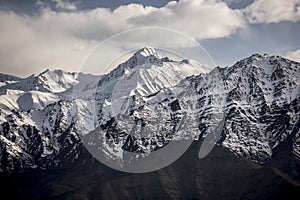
{"x":251,"y":108}
{"x":259,"y":99}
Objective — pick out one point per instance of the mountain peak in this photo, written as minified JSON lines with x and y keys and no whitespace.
{"x":147,"y":51}
{"x":146,"y":54}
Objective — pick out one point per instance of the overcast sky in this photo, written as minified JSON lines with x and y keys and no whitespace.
{"x":40,"y":34}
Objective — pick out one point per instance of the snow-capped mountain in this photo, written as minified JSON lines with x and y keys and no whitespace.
{"x":38,"y":91}
{"x":258,"y":100}
{"x":30,"y":116}
{"x":42,"y":117}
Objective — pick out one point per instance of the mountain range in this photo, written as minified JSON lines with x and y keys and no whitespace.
{"x":250,"y":113}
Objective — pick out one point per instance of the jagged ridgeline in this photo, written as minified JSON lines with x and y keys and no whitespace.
{"x":258,"y":97}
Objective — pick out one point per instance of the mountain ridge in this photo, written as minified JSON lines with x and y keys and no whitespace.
{"x":256,"y":90}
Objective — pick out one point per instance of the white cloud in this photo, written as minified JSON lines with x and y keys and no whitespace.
{"x":52,"y":39}
{"x":293,"y":55}
{"x":59,"y":4}
{"x":268,"y":11}
{"x":198,"y":18}
{"x":65,"y":5}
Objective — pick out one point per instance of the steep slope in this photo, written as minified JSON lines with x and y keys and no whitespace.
{"x":36,"y":118}
{"x":259,"y":101}
{"x":127,"y":88}
{"x":259,"y":98}
{"x":255,"y":102}
{"x":44,"y":102}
